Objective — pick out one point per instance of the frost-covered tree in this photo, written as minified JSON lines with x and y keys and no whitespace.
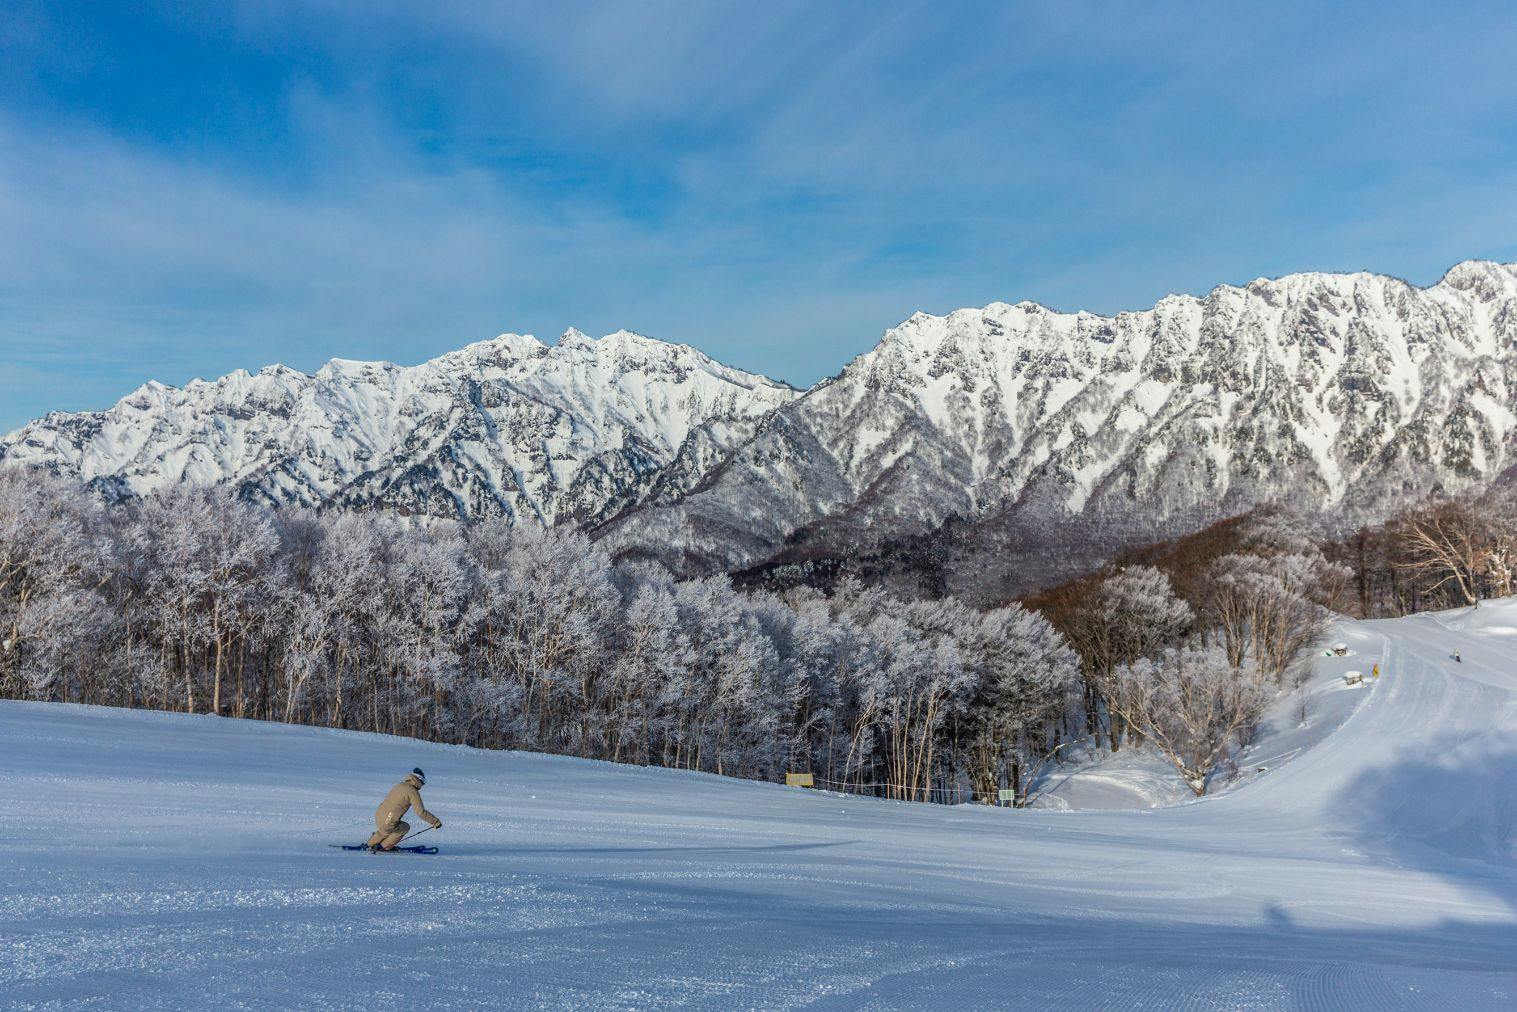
{"x":1130,"y":614}
{"x":1192,"y":705}
{"x":650,"y":654}
{"x":1468,"y":546}
{"x":1264,"y":608}
{"x":1271,"y":601}
{"x":811,"y":649}
{"x":514,"y":638}
{"x":558,"y":603}
{"x":1443,"y":553}
{"x":52,"y":556}
{"x":1028,"y":678}
{"x":1498,"y":559}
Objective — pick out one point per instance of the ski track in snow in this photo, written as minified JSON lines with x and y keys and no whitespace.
{"x":164,"y":861}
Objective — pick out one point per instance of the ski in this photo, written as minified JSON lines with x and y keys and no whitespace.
{"x":397,"y":850}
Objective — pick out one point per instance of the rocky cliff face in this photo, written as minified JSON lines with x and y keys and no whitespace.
{"x":1057,"y":437}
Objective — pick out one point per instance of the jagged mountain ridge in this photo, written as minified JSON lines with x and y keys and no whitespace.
{"x":507,"y":427}
{"x":1013,"y":443}
{"x":1046,"y":440}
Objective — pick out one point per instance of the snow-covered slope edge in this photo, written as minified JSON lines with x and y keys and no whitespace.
{"x":508,"y":427}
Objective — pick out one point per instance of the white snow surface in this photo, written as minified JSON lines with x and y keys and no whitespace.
{"x":159,"y":860}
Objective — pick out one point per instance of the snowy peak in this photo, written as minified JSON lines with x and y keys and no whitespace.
{"x":1483,"y":279}
{"x":1343,"y":394}
{"x":505,"y":427}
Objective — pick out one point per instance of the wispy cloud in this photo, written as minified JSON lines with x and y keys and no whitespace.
{"x":186,"y":193}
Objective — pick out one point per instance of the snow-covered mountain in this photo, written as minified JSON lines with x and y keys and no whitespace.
{"x":1060,"y":436}
{"x":508,"y":427}
{"x":1002,"y":446}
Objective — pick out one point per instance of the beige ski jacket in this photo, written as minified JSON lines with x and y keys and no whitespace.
{"x":402,"y":796}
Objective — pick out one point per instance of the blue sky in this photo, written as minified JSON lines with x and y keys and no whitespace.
{"x":186,"y":189}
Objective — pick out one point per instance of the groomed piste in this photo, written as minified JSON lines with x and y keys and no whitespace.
{"x":158,"y":860}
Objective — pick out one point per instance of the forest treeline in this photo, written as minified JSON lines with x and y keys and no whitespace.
{"x":1443,"y":552}
{"x":1449,"y":552}
{"x":513,"y":638}
{"x":544,"y":640}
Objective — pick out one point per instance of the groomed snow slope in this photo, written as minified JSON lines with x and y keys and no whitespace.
{"x":165,"y":861}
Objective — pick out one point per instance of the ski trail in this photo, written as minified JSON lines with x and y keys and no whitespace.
{"x":149,"y":866}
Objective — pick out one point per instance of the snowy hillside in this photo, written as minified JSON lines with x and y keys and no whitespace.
{"x":507,"y":427}
{"x":1348,"y":394}
{"x":158,"y":860}
{"x":1141,"y":778}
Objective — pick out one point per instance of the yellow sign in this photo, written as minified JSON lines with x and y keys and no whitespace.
{"x":799,"y":780}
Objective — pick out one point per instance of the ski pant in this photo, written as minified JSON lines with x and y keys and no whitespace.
{"x":389,"y":836}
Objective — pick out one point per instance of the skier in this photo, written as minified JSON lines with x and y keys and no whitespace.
{"x":1457,"y":658}
{"x":406,"y":794}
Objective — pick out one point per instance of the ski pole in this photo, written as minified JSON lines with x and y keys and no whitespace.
{"x":403,"y":839}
